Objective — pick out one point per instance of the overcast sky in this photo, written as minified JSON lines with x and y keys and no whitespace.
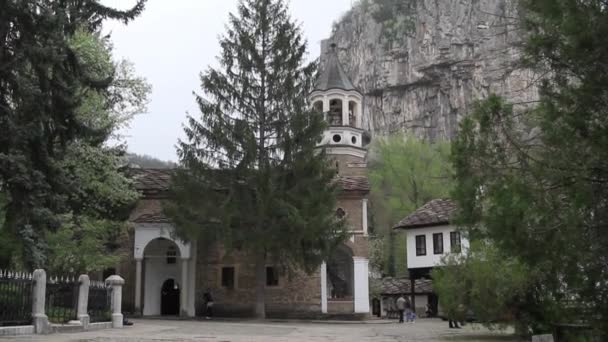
{"x":172,"y":41}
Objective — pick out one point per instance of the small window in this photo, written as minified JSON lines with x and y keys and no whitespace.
{"x":455,"y":244}
{"x":228,"y":277}
{"x":171,"y":256}
{"x":340,"y":213}
{"x":337,"y":138}
{"x":420,"y":245}
{"x":272,"y":276}
{"x":354,"y":140}
{"x":438,"y":243}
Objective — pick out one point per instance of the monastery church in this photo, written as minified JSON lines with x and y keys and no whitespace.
{"x":168,"y":276}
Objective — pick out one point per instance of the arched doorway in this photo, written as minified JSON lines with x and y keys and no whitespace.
{"x":340,"y":274}
{"x":169,"y":298}
{"x":162,"y":272}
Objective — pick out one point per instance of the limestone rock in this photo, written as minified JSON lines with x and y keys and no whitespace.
{"x":425,"y":80}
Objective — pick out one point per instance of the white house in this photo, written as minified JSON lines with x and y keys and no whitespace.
{"x":430,"y":237}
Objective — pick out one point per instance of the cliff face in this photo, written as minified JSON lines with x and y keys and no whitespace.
{"x":422,"y":68}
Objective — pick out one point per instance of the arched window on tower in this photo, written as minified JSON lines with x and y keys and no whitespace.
{"x":318,"y":107}
{"x":335,"y":112}
{"x":352,"y":114}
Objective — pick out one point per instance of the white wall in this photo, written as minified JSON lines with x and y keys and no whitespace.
{"x":147,"y":232}
{"x":157,"y":271}
{"x":430,"y":259}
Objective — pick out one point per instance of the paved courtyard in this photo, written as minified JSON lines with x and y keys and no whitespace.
{"x":216,"y":331}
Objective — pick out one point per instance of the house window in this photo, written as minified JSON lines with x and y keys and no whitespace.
{"x":438,"y":243}
{"x":228,"y":277}
{"x":420,"y":245}
{"x":455,"y":242}
{"x":272,"y":276}
{"x":171,"y":256}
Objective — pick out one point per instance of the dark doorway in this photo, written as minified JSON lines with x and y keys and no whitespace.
{"x":376,"y":309}
{"x":433,"y":304}
{"x":169,"y":298}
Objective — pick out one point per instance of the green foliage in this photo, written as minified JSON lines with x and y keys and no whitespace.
{"x":81,"y":245}
{"x":534,"y":182}
{"x":397,"y":19}
{"x":56,"y":96}
{"x":252,"y":153}
{"x":484,"y":281}
{"x":405,"y":173}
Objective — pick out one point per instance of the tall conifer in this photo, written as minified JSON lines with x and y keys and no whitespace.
{"x":250,"y":174}
{"x":43,"y":84}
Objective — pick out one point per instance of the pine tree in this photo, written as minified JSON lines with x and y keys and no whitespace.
{"x":250,"y":174}
{"x":43,"y":86}
{"x":535,"y":182}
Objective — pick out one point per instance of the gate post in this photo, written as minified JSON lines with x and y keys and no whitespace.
{"x":40,"y":319}
{"x":83,"y":301}
{"x":116,"y":283}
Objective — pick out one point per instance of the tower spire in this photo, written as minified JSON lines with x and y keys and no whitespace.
{"x":333,"y":75}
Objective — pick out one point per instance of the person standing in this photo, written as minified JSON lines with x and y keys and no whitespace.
{"x":408,"y":311}
{"x":208,"y":300}
{"x":428,"y":311}
{"x":401,"y":304}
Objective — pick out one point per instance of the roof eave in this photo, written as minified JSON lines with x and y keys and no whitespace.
{"x":426,"y":225}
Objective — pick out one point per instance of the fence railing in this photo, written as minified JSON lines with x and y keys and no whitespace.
{"x":15,"y":298}
{"x":61,"y":299}
{"x":100,"y":299}
{"x":35,"y":300}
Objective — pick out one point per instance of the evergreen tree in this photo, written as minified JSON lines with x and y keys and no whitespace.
{"x":43,"y":88}
{"x":535,"y":182}
{"x":250,"y":175}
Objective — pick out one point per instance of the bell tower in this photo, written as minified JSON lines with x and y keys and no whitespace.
{"x":344,"y":276}
{"x":342,"y":107}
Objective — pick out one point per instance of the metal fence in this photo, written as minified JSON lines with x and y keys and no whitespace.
{"x":61,"y":299}
{"x":15,"y":298}
{"x":99,"y":305}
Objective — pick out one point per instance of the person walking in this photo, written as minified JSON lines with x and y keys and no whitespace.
{"x":408,"y":311}
{"x":208,"y":300}
{"x":401,"y":302}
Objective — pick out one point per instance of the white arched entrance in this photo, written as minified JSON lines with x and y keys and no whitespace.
{"x":163,"y":260}
{"x":344,"y":282}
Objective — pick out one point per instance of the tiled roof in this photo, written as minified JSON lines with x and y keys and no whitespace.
{"x":154,"y":183}
{"x":435,"y":213}
{"x":333,"y":76}
{"x":152,"y":218}
{"x":395,"y":286}
{"x":354,"y":183}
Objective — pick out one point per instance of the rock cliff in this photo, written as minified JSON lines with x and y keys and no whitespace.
{"x":423,"y":63}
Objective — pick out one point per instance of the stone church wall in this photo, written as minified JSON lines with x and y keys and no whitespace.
{"x":298,"y":294}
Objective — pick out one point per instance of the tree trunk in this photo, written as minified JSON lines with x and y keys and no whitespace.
{"x":260,"y":284}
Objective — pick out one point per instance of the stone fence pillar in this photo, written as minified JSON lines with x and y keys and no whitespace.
{"x":116,"y":283}
{"x":40,"y":319}
{"x":83,"y":300}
